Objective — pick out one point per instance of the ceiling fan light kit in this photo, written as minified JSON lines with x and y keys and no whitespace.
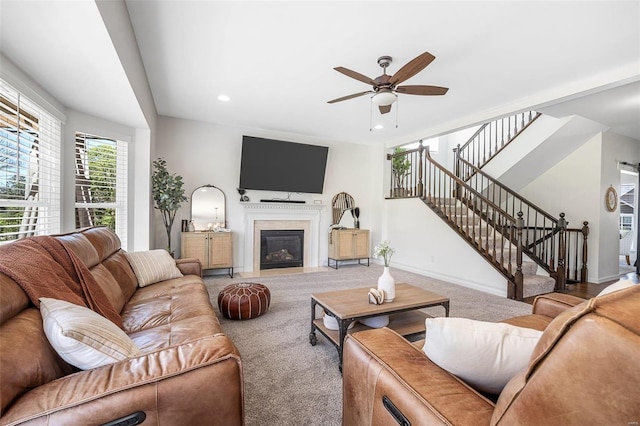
{"x":384,"y":97}
{"x":385,"y":87}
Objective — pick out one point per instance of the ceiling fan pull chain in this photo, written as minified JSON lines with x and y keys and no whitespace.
{"x":397,"y":108}
{"x":370,"y":115}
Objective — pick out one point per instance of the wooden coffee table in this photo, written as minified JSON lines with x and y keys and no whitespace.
{"x":347,"y":306}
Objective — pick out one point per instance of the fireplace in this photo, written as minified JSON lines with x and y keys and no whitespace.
{"x":260,"y":217}
{"x":281,"y":248}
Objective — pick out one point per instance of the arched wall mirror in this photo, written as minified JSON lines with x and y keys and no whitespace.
{"x":208,"y":208}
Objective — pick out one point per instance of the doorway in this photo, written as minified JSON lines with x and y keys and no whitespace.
{"x":628,"y":220}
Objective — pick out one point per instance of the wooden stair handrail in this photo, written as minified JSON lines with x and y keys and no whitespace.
{"x":509,"y":190}
{"x":474,"y":145}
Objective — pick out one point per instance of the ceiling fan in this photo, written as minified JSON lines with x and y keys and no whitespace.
{"x":385,"y":87}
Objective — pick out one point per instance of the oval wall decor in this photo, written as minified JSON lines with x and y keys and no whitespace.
{"x":611,"y":199}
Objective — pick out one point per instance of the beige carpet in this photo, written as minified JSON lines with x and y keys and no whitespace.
{"x":290,"y":382}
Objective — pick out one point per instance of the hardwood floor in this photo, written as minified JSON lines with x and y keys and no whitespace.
{"x":589,"y":290}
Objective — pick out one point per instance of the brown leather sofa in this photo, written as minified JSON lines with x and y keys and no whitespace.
{"x":585,"y":370}
{"x":189,"y":374}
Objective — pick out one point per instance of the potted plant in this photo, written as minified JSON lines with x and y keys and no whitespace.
{"x":168,"y":194}
{"x":400,"y":166}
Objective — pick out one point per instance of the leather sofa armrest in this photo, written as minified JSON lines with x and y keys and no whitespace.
{"x":190,"y":266}
{"x":553,"y":304}
{"x":380,"y":363}
{"x":185,"y":384}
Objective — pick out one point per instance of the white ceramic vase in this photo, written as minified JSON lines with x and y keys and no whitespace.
{"x":388,"y":285}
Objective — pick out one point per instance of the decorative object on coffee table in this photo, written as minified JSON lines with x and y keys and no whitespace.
{"x":243,"y":301}
{"x":386,"y":282}
{"x":376,"y":297}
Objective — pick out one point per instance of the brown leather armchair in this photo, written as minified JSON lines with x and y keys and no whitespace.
{"x":584,"y":370}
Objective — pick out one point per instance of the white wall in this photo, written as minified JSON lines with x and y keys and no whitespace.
{"x":576,"y":186}
{"x":425,"y":244}
{"x":117,"y":22}
{"x":614,"y":148}
{"x":204,"y":153}
{"x":571,"y":187}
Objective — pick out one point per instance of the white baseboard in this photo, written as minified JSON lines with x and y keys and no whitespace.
{"x":453,"y":280}
{"x":607,"y":279}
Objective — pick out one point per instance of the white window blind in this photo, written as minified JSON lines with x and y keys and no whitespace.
{"x":101,"y":183}
{"x":29,"y":167}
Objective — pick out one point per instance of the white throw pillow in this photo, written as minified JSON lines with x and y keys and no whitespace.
{"x":153,"y":266}
{"x":485,"y":355}
{"x":83,"y":337}
{"x":620,"y":285}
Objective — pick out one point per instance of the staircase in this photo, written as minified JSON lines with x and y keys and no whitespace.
{"x":536,"y":252}
{"x":491,"y":138}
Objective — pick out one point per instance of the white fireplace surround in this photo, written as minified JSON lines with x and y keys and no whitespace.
{"x":263,"y":216}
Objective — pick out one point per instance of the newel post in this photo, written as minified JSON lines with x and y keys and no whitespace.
{"x":456,"y":161}
{"x":519,"y":279}
{"x":420,"y":187}
{"x":456,"y":170}
{"x":390,"y":158}
{"x":561,"y":277}
{"x":584,"y":272}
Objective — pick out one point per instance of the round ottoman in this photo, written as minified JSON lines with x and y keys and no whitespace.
{"x":244,"y":300}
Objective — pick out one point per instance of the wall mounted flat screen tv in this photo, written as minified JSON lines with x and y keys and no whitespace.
{"x":274,"y":165}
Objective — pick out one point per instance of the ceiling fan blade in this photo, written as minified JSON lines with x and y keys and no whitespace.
{"x":422,"y":90}
{"x":384,"y":108}
{"x":344,"y":98}
{"x":412,"y":68}
{"x":356,"y":75}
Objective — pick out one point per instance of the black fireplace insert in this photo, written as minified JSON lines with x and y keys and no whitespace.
{"x":281,"y":248}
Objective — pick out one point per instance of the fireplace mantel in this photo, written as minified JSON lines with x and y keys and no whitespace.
{"x":280,"y":214}
{"x":283,"y":206}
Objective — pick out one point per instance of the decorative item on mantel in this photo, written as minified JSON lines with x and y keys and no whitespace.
{"x":243,"y":198}
{"x":386,"y":282}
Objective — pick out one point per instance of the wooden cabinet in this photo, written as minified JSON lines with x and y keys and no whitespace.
{"x":348,"y":244}
{"x":214,"y":249}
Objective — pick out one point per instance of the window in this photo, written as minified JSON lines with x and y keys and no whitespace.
{"x":29,"y":167}
{"x":101,"y":183}
{"x":626,"y":221}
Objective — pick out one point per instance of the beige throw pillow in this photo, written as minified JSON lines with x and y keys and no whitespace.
{"x":485,"y":355}
{"x":82,"y":337}
{"x":153,"y":266}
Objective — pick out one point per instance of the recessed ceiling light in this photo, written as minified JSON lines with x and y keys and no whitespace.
{"x":378,"y":127}
{"x":224,"y":98}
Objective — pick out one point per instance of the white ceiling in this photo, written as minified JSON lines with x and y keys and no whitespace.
{"x":275,"y":60}
{"x":64,"y":46}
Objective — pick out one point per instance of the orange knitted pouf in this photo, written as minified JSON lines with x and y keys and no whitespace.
{"x":244,"y":300}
